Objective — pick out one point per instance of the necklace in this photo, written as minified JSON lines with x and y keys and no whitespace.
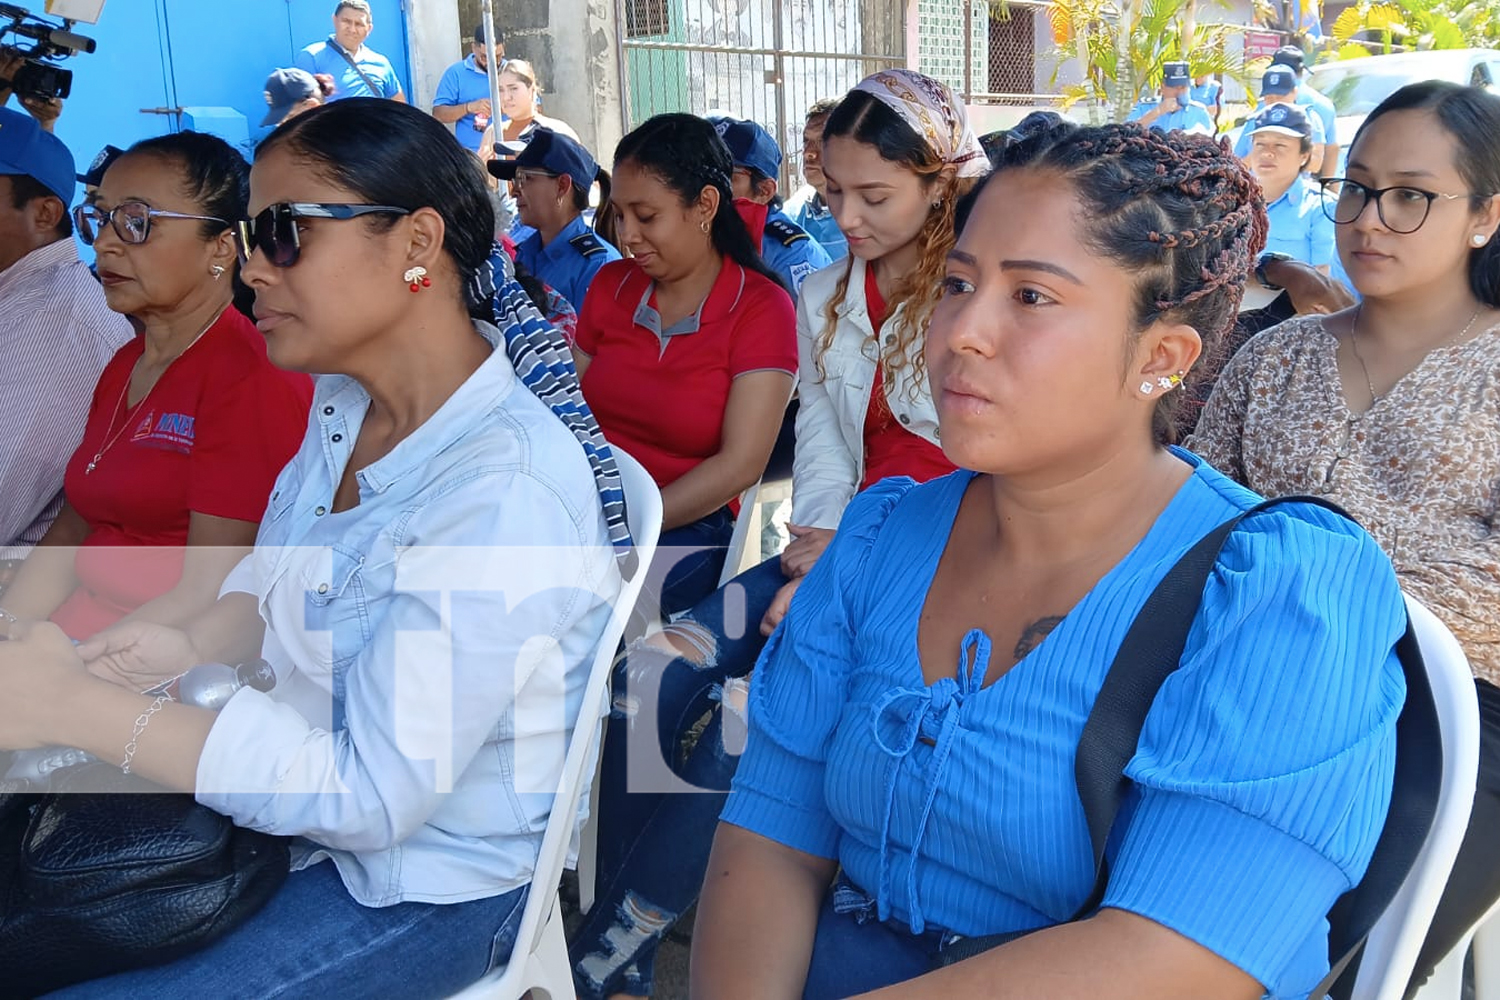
{"x":111,"y":435}
{"x":1365,"y":369}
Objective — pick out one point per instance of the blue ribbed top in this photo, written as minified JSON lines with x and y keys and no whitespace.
{"x":1262,"y":776}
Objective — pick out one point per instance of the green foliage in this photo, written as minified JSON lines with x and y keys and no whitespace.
{"x":1384,"y":26}
{"x":1121,"y":45}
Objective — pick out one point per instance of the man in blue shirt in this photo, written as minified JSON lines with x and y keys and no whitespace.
{"x":785,"y":246}
{"x":1279,"y":87}
{"x":808,"y":207}
{"x":1174,"y":110}
{"x":463,"y":93}
{"x":1316,"y":103}
{"x":357,"y":71}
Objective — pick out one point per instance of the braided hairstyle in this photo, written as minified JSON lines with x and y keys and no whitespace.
{"x":1179,"y":211}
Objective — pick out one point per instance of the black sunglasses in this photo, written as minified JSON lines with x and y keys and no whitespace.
{"x":274,"y":231}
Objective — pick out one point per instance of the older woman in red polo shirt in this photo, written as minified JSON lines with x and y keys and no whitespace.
{"x":190,"y":423}
{"x":688,"y":348}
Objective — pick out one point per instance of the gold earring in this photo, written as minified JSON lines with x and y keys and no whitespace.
{"x":703,"y":226}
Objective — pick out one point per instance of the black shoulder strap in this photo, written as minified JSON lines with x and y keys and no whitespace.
{"x":1150,"y":651}
{"x":374,"y":90}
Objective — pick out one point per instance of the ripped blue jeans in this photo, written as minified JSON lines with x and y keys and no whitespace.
{"x":659,"y":807}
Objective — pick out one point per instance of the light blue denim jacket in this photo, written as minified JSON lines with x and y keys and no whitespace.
{"x":430,"y":643}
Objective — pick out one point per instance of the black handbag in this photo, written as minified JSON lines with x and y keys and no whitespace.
{"x":1150,"y":651}
{"x":94,"y":883}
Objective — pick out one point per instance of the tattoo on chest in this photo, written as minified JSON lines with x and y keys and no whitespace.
{"x":1033,"y":634}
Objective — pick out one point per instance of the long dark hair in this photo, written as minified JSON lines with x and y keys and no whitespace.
{"x":688,"y":155}
{"x":1472,"y":116}
{"x":1177,"y":211}
{"x":389,"y":153}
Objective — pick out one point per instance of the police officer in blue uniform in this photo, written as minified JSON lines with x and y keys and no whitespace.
{"x":551,"y":178}
{"x":1174,"y":110}
{"x":786,"y":247}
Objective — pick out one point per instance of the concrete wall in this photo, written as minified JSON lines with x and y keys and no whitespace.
{"x":572,"y":43}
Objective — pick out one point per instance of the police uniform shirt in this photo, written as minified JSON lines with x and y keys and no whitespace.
{"x":1192,"y":117}
{"x":1299,"y":226}
{"x":789,"y":251}
{"x":1322,"y":109}
{"x":570,"y":261}
{"x":808,"y":209}
{"x":1243,"y":145}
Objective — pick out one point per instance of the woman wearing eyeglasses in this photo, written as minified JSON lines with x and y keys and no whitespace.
{"x":433,"y":574}
{"x":190,"y":423}
{"x":1392,"y":408}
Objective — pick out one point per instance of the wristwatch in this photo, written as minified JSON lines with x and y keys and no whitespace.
{"x":1260,"y":268}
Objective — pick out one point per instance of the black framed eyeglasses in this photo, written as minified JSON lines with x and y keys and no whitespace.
{"x":274,"y":231}
{"x":1404,"y":212}
{"x":131,"y":221}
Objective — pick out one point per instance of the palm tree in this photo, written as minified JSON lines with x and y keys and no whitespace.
{"x":1379,"y":27}
{"x":1121,"y":45}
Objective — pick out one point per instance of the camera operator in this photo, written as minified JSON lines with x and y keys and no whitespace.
{"x":45,"y":110}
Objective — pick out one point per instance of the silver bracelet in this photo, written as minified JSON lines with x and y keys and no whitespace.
{"x":9,"y":620}
{"x":141,"y":722}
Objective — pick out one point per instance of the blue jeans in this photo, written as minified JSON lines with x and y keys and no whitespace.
{"x":313,"y":940}
{"x":854,"y":953}
{"x":654,"y":844}
{"x":692,"y":572}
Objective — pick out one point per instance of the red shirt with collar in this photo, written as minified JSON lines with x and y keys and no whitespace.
{"x":662,"y":398}
{"x":890,"y":449}
{"x":211,"y":436}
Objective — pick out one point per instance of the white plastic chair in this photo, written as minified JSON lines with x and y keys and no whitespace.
{"x":1391,"y":952}
{"x":540,"y":961}
{"x":1447,"y":980}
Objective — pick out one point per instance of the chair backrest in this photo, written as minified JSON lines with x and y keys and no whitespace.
{"x":1439,"y":725}
{"x":643,"y":512}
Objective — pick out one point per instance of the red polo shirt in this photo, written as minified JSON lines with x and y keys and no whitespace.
{"x":660,"y":395}
{"x":211,"y":436}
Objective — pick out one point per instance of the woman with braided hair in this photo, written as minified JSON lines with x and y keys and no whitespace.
{"x":1390,"y":408}
{"x":915,"y":719}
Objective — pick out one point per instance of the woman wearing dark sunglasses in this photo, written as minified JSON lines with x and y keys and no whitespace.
{"x":190,"y":423}
{"x":1392,"y":408}
{"x":433,"y":574}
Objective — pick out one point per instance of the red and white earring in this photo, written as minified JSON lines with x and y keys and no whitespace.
{"x":416,"y":279}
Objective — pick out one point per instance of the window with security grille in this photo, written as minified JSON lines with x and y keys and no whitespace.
{"x":646,"y":18}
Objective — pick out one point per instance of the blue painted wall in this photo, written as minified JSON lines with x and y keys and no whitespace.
{"x":195,"y":53}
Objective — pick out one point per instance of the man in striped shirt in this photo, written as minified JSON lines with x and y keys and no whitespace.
{"x":56,"y":333}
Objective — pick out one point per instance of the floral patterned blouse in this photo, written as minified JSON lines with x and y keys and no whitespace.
{"x":1420,"y":469}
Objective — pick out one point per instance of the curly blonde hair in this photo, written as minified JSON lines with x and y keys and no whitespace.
{"x":863,"y":117}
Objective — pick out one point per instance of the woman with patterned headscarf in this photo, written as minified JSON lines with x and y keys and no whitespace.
{"x":898,"y":153}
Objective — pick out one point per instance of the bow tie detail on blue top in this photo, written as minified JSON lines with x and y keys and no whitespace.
{"x":932,"y":714}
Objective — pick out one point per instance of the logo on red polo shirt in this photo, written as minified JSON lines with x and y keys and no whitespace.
{"x":170,"y":431}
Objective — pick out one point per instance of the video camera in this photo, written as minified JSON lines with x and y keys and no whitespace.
{"x":38,"y":76}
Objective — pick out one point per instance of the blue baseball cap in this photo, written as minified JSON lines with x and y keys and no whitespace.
{"x":750,"y":146}
{"x":1175,"y":74}
{"x":548,"y":151}
{"x":1278,"y":80}
{"x":26,"y":149}
{"x":285,"y":89}
{"x":1291,"y":57}
{"x":1284,"y":119}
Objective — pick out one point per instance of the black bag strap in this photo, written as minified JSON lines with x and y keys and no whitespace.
{"x":1151,"y":650}
{"x":375,"y":91}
